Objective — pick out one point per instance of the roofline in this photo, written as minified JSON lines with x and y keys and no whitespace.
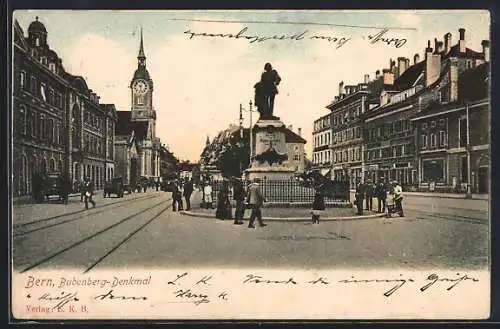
{"x":333,"y":104}
{"x":456,"y":109}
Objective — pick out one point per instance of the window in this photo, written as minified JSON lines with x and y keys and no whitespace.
{"x":462,"y":129}
{"x":43,"y":60}
{"x":442,"y":122}
{"x":50,"y":130}
{"x":296,"y":157}
{"x":32,"y":121}
{"x":42,"y":92}
{"x":22,"y":120}
{"x":464,"y":170}
{"x":57,"y":134}
{"x":433,"y":140}
{"x":51,"y":96}
{"x":33,"y":86}
{"x":52,"y":67}
{"x":444,"y":95}
{"x":442,"y":138}
{"x":424,"y":125}
{"x":22,"y":80}
{"x":423,"y":141}
{"x":433,"y":124}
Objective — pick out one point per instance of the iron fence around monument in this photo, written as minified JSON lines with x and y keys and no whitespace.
{"x":295,"y":191}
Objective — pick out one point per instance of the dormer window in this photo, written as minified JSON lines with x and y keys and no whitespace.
{"x":52,"y":67}
{"x":43,"y":60}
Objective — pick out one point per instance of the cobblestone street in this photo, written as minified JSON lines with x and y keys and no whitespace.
{"x":141,"y":230}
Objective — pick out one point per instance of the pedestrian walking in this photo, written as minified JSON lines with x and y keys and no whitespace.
{"x":398,"y":199}
{"x":188,"y":190}
{"x":82,"y":191}
{"x":175,"y":193}
{"x":89,"y":193}
{"x":381,"y":195}
{"x":358,"y":198}
{"x":65,"y":186}
{"x":207,"y":196}
{"x":255,"y":200}
{"x":223,"y":210}
{"x":369,"y":194}
{"x":239,"y":197}
{"x":318,"y":205}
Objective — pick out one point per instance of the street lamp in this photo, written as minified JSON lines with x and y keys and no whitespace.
{"x":469,"y":192}
{"x":250,"y":130}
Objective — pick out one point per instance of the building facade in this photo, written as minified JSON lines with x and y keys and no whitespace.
{"x":58,"y":123}
{"x":453,"y":136}
{"x":139,"y":124}
{"x":322,"y":139}
{"x":347,"y":140}
{"x":391,"y":140}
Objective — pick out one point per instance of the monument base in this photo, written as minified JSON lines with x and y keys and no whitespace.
{"x":270,"y":173}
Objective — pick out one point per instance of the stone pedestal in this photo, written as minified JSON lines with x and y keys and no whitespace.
{"x":270,"y":154}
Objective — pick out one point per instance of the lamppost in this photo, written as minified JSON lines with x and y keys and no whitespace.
{"x":250,"y":130}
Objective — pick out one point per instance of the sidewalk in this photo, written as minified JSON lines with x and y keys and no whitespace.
{"x":283,"y":214}
{"x":441,"y":195}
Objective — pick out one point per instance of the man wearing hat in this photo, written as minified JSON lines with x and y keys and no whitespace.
{"x":239,"y":197}
{"x":255,"y":200}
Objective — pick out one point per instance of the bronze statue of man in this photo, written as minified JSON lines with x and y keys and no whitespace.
{"x":265,"y":91}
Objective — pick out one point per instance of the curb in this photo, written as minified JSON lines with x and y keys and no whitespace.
{"x":290,"y":219}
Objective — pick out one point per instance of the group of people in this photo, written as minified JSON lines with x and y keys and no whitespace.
{"x":245,"y":198}
{"x":182,"y":188}
{"x":381,"y":190}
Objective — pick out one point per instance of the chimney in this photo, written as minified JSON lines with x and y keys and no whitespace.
{"x":453,"y":79}
{"x":447,"y":42}
{"x":341,"y":88}
{"x":486,"y":50}
{"x":367,"y":78}
{"x":377,"y":74}
{"x":438,"y":46}
{"x":461,"y":42}
{"x":433,"y":64}
{"x":416,"y":58}
{"x":290,"y":127}
{"x":388,"y":77}
{"x":392,"y":66}
{"x":299,"y":130}
{"x":402,"y":65}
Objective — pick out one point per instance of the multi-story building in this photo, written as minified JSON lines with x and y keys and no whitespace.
{"x":453,"y":135}
{"x":322,"y":138}
{"x":389,"y":135}
{"x":58,"y":123}
{"x":347,"y":111}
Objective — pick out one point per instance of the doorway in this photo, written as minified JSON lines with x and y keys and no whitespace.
{"x":483,"y":180}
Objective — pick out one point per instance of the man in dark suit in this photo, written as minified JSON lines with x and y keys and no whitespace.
{"x":381,"y":195}
{"x":188,"y":190}
{"x":369,"y":194}
{"x":239,"y":197}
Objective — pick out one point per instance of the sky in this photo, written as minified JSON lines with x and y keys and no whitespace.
{"x":200,"y":81}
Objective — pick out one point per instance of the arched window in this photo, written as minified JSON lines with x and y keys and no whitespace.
{"x":43,"y":167}
{"x":52,"y":165}
{"x":60,"y":166}
{"x":22,"y":119}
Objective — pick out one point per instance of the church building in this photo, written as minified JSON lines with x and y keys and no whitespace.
{"x":137,"y":149}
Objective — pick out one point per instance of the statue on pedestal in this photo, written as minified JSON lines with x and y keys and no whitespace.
{"x":265,"y":91}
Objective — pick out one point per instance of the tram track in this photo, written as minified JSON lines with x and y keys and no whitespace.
{"x":16,"y":226}
{"x":457,"y":218}
{"x":84,"y":215}
{"x":164,"y":202}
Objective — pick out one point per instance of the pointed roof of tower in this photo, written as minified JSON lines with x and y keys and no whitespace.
{"x":207,"y":142}
{"x":141,"y":48}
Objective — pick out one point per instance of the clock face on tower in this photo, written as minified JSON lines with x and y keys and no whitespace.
{"x":140,"y":87}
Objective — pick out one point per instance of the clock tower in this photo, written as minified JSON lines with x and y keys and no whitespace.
{"x":141,"y":88}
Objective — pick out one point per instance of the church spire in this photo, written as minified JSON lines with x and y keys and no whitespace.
{"x":141,"y":57}
{"x":207,"y":142}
